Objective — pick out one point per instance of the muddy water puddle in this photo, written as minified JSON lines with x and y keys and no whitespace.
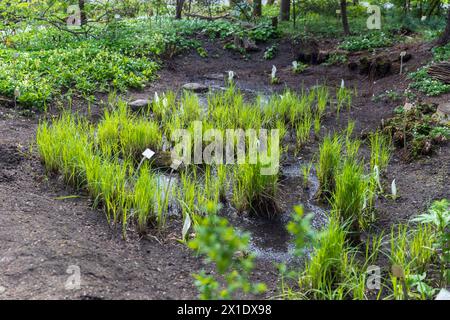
{"x":270,"y":239}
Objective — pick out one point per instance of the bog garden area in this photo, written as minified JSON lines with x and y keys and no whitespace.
{"x":208,"y":149}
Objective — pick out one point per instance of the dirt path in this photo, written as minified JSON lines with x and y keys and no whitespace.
{"x":42,"y":234}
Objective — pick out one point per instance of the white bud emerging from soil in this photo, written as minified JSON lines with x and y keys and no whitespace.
{"x":342,"y":84}
{"x":230,"y":75}
{"x":274,"y":72}
{"x":186,"y":226}
{"x":394,"y":189}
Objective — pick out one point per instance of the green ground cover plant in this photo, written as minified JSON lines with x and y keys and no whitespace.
{"x":39,"y":64}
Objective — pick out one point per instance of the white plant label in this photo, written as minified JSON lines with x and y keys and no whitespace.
{"x":186,"y":226}
{"x":148,"y":154}
{"x":374,"y":20}
{"x":176,"y":163}
{"x":443,"y":295}
{"x":73,"y":282}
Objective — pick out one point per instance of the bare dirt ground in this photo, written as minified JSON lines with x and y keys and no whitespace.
{"x":43,"y":232}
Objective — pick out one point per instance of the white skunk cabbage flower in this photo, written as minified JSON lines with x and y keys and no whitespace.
{"x":230,"y":75}
{"x":274,"y":72}
{"x":165,"y":101}
{"x":394,"y":189}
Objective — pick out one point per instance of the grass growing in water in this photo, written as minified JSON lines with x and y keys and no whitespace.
{"x":329,"y":159}
{"x":349,"y":196}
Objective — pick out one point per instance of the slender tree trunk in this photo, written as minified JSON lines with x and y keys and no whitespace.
{"x":233,"y":3}
{"x":82,"y":12}
{"x":257,"y":8}
{"x":179,"y":9}
{"x":285,"y":10}
{"x":445,"y":37}
{"x":433,"y":6}
{"x":344,"y":17}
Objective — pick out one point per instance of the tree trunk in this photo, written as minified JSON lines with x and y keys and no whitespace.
{"x":433,"y":6}
{"x":285,"y":10}
{"x":179,"y":9}
{"x":445,"y":37}
{"x":344,"y":17}
{"x":257,"y":8}
{"x":233,"y":3}
{"x":82,"y":12}
{"x":270,"y":2}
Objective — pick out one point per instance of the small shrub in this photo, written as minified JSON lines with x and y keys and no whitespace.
{"x":227,"y":249}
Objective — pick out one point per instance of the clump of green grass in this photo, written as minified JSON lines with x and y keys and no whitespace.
{"x":121,"y":134}
{"x":138,"y":135}
{"x":328,"y":265}
{"x":254,"y":191}
{"x":303,"y":130}
{"x":306,"y":171}
{"x":380,"y":150}
{"x":348,"y":199}
{"x":344,"y":98}
{"x":145,"y":190}
{"x":327,"y":166}
{"x":322,"y":94}
{"x":438,"y":218}
{"x":67,"y":145}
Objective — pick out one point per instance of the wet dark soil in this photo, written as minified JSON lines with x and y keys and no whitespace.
{"x":46,"y":227}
